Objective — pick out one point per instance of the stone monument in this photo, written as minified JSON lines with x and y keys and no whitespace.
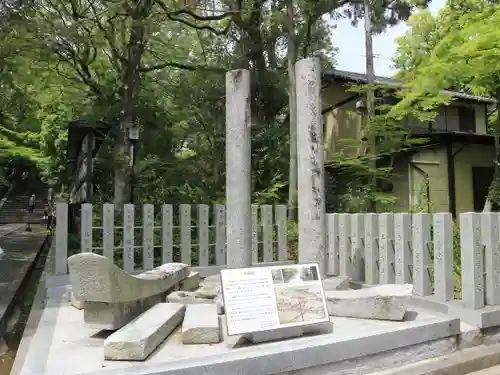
{"x":111,"y":297}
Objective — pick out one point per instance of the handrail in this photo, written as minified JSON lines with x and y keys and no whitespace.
{"x":8,"y":192}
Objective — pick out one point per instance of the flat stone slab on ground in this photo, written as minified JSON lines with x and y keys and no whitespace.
{"x":201,"y":325}
{"x":188,"y":298}
{"x":385,"y":302}
{"x":354,"y":347}
{"x":137,"y":340}
{"x":336,"y":283}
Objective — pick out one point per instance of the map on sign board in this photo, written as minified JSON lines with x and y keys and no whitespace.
{"x":265,"y":298}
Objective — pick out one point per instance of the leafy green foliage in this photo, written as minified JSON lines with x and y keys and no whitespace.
{"x":458,"y":49}
{"x":159,"y":65}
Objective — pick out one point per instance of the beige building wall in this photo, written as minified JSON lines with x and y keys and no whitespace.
{"x":342,"y":133}
{"x":400,"y":189}
{"x":430,"y":165}
{"x":342,"y":125}
{"x":470,"y":156}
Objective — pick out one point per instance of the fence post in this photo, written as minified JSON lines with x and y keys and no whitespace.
{"x":421,"y":255}
{"x":61,"y":255}
{"x":86,"y":228}
{"x":344,"y":245}
{"x":128,"y":238}
{"x":203,"y":234}
{"x":220,"y":234}
{"x":266,"y":216}
{"x":489,"y":233}
{"x":386,"y":248}
{"x":371,"y":249}
{"x":402,"y":238}
{"x":443,"y":256}
{"x":357,"y":249}
{"x":108,"y":231}
{"x":255,"y":234}
{"x":282,"y":231}
{"x":332,"y":234}
{"x":185,"y":224}
{"x":472,"y":260}
{"x":166,"y":233}
{"x":148,"y":222}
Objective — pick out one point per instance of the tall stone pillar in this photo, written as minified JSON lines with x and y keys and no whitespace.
{"x":238,"y":170}
{"x":310,"y":164}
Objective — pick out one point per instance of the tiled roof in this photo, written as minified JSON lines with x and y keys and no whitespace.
{"x":329,"y":76}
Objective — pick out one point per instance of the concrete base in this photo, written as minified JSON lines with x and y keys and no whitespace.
{"x":488,"y":316}
{"x":289,"y":332}
{"x":62,"y":344}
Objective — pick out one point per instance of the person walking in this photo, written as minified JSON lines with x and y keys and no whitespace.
{"x":50,"y":196}
{"x":31,"y":204}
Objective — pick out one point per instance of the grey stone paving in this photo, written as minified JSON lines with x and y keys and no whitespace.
{"x":19,"y":251}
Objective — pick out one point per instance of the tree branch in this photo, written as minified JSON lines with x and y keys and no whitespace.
{"x":218,"y":17}
{"x":145,"y":69}
{"x":202,"y":27}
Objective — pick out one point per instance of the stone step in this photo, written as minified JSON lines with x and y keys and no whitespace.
{"x":495,"y":370}
{"x":201,"y":325}
{"x":139,"y":338}
{"x":461,"y":362}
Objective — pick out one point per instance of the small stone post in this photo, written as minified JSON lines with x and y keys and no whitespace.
{"x":310,"y":164}
{"x":238,"y":170}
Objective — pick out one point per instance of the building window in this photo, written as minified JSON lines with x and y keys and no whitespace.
{"x":467,"y":119}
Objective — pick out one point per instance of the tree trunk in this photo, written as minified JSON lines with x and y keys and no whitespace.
{"x":122,"y":170}
{"x":129,"y":98}
{"x":292,"y":105}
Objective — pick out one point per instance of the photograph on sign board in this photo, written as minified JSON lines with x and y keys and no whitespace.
{"x":302,"y":303}
{"x":298,"y":275}
{"x":277,"y":276}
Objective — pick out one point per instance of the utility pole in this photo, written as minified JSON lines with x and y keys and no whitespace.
{"x":370,"y":98}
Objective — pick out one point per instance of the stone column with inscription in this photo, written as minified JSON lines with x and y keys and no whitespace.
{"x":238,"y":170}
{"x":310,"y":164}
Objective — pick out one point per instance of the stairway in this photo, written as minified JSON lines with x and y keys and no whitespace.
{"x":15,"y":209}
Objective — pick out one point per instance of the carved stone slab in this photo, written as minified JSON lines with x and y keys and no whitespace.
{"x":139,"y":338}
{"x":111,"y":297}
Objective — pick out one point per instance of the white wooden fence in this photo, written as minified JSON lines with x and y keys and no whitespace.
{"x":167,"y":237}
{"x":417,"y":248}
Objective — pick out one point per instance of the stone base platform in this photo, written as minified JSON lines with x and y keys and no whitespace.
{"x":485,"y":317}
{"x":62,"y":345}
